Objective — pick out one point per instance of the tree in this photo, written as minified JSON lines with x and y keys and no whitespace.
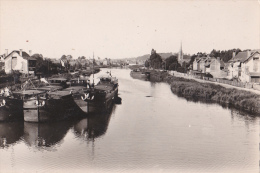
{"x":41,"y":64}
{"x":214,"y":53}
{"x":224,"y":55}
{"x":66,"y":60}
{"x":147,"y":63}
{"x":170,"y":60}
{"x":174,"y":66}
{"x":192,"y":59}
{"x":155,"y":60}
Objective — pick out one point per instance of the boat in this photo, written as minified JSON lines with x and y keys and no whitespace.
{"x":140,"y":74}
{"x":59,"y":81}
{"x":100,"y":96}
{"x":42,"y":106}
{"x":11,"y":108}
{"x":78,"y":88}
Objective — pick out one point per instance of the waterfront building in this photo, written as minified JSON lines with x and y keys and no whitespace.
{"x":202,"y":64}
{"x":217,"y":68}
{"x":20,"y":61}
{"x":195,"y":64}
{"x":106,"y":62}
{"x":250,"y":68}
{"x":234,"y":69}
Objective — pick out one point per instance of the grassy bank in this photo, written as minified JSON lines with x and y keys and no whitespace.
{"x":194,"y":90}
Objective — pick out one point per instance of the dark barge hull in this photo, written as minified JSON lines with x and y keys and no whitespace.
{"x":102,"y":104}
{"x":12,"y":110}
{"x":53,"y":110}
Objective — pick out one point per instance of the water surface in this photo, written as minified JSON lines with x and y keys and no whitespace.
{"x":152,"y":130}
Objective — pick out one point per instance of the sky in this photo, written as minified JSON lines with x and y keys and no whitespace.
{"x":124,"y":29}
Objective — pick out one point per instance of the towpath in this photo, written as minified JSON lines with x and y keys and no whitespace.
{"x":216,"y":83}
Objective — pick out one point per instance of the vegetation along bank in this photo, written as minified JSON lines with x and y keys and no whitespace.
{"x":194,"y":90}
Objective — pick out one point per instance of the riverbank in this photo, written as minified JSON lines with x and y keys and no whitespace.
{"x":194,"y":90}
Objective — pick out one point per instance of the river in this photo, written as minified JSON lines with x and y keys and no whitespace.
{"x":152,"y":130}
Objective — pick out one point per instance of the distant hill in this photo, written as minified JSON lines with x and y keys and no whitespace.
{"x":147,"y":56}
{"x":143,"y":58}
{"x":165,"y":55}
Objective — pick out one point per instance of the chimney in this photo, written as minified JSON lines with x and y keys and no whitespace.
{"x":21,"y":51}
{"x":234,"y":54}
{"x":6,"y":52}
{"x":30,"y":52}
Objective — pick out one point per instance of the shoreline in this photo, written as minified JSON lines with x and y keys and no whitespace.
{"x":195,"y":90}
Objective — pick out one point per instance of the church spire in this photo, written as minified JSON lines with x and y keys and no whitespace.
{"x":180,"y":56}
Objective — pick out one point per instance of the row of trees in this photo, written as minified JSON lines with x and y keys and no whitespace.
{"x":224,"y":55}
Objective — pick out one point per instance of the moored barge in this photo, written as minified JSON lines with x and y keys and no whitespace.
{"x":100,"y":97}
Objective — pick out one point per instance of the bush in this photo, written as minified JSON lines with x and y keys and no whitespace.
{"x":239,"y":99}
{"x":180,"y":69}
{"x":208,"y":75}
{"x":2,"y":73}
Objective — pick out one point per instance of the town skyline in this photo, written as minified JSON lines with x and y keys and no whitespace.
{"x":127,"y":29}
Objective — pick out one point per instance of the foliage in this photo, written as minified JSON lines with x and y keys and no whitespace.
{"x":208,"y":75}
{"x":170,"y":60}
{"x":194,"y":90}
{"x":155,"y":60}
{"x":147,"y":63}
{"x":66,"y":60}
{"x":2,"y":73}
{"x":45,"y":66}
{"x":192,"y":58}
{"x":225,"y":55}
{"x":174,"y":66}
{"x":181,"y":70}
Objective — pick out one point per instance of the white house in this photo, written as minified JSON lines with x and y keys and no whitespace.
{"x":106,"y":62}
{"x":195,"y":64}
{"x":234,"y":69}
{"x":250,"y":68}
{"x":20,"y":61}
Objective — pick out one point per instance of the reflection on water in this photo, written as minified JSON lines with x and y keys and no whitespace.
{"x":93,"y":126}
{"x":149,"y":130}
{"x":42,"y":135}
{"x":45,"y":134}
{"x":10,"y":132}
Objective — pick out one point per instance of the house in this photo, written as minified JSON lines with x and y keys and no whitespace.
{"x":234,"y":68}
{"x":250,"y":68}
{"x":217,"y":68}
{"x":207,"y":65}
{"x":106,"y":62}
{"x":202,"y":64}
{"x":199,"y":64}
{"x":20,"y":61}
{"x":195,"y":64}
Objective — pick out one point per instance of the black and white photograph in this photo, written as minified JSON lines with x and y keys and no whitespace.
{"x":138,"y":86}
